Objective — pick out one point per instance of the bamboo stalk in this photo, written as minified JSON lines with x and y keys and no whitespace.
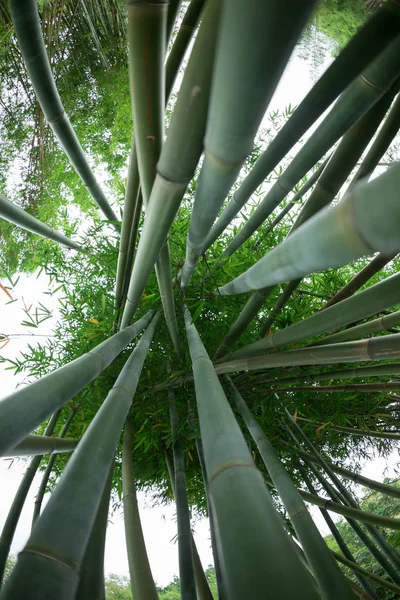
{"x":355,"y":227}
{"x":179,"y":156}
{"x":346,"y":498}
{"x":377,"y":370}
{"x":384,"y":347}
{"x":241,"y":503}
{"x":222,"y":595}
{"x":297,"y":197}
{"x":355,"y":101}
{"x":202,"y":587}
{"x":328,"y":576}
{"x":55,"y":550}
{"x":371,"y":301}
{"x":27,"y":28}
{"x":11,"y":522}
{"x":91,"y":575}
{"x":365,"y":539}
{"x":14,"y":214}
{"x":52,"y":391}
{"x":236,"y":110}
{"x":336,"y":534}
{"x":186,"y":572}
{"x":383,"y":488}
{"x":34,"y":445}
{"x":43,"y":484}
{"x":375,"y":326}
{"x":142,"y":583}
{"x":381,"y":143}
{"x":373,"y":267}
{"x":363,"y":388}
{"x":364,"y":47}
{"x":357,"y":569}
{"x":181,"y":43}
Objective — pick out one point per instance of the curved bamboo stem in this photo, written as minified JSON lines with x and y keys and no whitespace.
{"x":52,"y":391}
{"x":27,"y":28}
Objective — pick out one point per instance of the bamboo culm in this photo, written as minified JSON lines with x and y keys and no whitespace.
{"x":14,"y":214}
{"x":378,"y":32}
{"x":241,"y":503}
{"x":14,"y":514}
{"x":327,"y":574}
{"x":55,"y":550}
{"x":142,"y":583}
{"x":235,"y":110}
{"x":27,"y":28}
{"x":359,"y":225}
{"x":52,"y":391}
{"x":43,"y":484}
{"x":186,"y":572}
{"x":34,"y":445}
{"x":371,"y":301}
{"x":355,"y":102}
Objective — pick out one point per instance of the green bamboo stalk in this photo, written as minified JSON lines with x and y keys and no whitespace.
{"x":179,"y":156}
{"x":386,"y":435}
{"x":362,"y":223}
{"x":34,"y":445}
{"x":55,"y":550}
{"x":241,"y":503}
{"x":236,"y":110}
{"x":383,"y":488}
{"x":297,"y":197}
{"x":14,"y":214}
{"x":52,"y":391}
{"x":14,"y":514}
{"x":357,"y":569}
{"x":130,"y":204}
{"x":346,"y":498}
{"x":377,"y":370}
{"x":332,"y":178}
{"x":371,"y":301}
{"x":382,"y":142}
{"x":91,"y":575}
{"x":353,"y":513}
{"x":142,"y":583}
{"x":327,"y":574}
{"x":181,"y":43}
{"x":363,"y":388}
{"x":222,"y":595}
{"x":43,"y":484}
{"x":365,"y":539}
{"x":146,"y":44}
{"x":202,"y":587}
{"x":373,"y":267}
{"x":336,"y":534}
{"x":186,"y":572}
{"x":26,"y":22}
{"x":355,"y":101}
{"x":131,"y":248}
{"x":375,"y":326}
{"x":364,"y":47}
{"x":384,"y":347}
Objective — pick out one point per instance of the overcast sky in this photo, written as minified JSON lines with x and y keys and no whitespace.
{"x":158,"y":522}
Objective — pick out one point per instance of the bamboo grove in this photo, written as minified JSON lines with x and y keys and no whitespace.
{"x":212,"y":383}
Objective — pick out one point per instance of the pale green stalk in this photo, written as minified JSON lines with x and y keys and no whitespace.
{"x":46,"y":395}
{"x":358,"y":331}
{"x":241,"y":503}
{"x":56,"y":548}
{"x":236,"y":109}
{"x":34,"y":445}
{"x":28,"y":31}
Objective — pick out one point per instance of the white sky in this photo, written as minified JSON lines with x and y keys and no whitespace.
{"x":159,"y":522}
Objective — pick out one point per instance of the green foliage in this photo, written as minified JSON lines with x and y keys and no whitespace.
{"x":380,"y":504}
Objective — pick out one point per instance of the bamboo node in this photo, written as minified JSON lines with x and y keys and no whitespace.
{"x":44,"y":555}
{"x":50,"y":121}
{"x":371,"y":84}
{"x":230,"y":465}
